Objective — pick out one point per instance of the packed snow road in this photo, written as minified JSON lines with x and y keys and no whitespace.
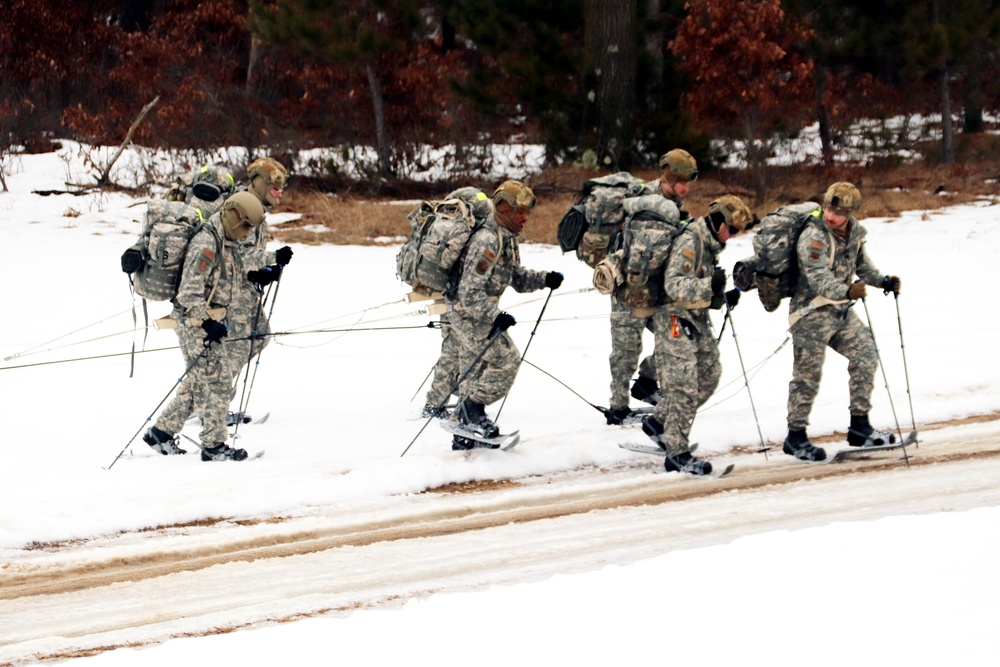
{"x":138,"y":588}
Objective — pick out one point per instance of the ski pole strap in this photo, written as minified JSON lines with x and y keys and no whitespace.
{"x":817,"y":302}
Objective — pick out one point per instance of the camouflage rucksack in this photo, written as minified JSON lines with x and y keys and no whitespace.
{"x":592,"y":225}
{"x":428,"y":260}
{"x":156,"y":260}
{"x":774,"y":267}
{"x":652,"y":223}
{"x":206,"y":188}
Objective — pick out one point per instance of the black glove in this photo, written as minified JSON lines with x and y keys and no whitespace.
{"x":215,"y":331}
{"x":282,"y":256}
{"x":732,"y":298}
{"x":266,"y":276}
{"x":553,"y":279}
{"x":502,"y":322}
{"x":744,"y":276}
{"x":890,"y":284}
{"x":718,"y":281}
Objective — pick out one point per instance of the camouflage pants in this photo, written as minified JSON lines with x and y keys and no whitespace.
{"x":493,"y":376}
{"x":688,"y":373}
{"x":844,"y":334}
{"x":207,"y":387}
{"x":446,"y":369}
{"x":626,"y":346}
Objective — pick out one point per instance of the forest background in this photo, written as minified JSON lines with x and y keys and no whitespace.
{"x":390,"y":99}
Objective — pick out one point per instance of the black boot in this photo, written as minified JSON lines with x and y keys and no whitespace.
{"x":473,"y":415}
{"x":220,"y":451}
{"x":617,"y":416}
{"x":686,"y":462}
{"x":646,"y":390}
{"x":797,"y":444}
{"x":162,"y":442}
{"x":862,"y":434}
{"x":652,"y":427}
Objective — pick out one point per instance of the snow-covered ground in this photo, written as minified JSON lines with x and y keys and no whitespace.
{"x":343,"y":407}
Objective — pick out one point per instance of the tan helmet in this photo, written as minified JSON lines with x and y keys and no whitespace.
{"x":680,"y":164}
{"x":843,"y":198}
{"x":735,"y":213}
{"x":266,"y":173}
{"x":515,"y":193}
{"x":240,"y":210}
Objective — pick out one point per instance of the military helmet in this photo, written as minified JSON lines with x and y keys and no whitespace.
{"x":273,"y":172}
{"x":733,"y":212}
{"x":211,"y":182}
{"x":475,"y":198}
{"x":247,"y":209}
{"x":843,"y":198}
{"x":515,"y":193}
{"x":680,"y":163}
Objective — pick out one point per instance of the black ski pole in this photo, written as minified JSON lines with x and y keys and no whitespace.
{"x":746,"y":381}
{"x":187,"y":370}
{"x":455,"y":385}
{"x":528,"y":344}
{"x":604,"y":411}
{"x":245,"y":398}
{"x":885,"y":379}
{"x":906,"y":373}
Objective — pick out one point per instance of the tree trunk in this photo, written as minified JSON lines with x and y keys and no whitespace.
{"x":973,"y":98}
{"x":823,"y":116}
{"x":611,"y":47}
{"x":383,"y":146}
{"x":947,"y":132}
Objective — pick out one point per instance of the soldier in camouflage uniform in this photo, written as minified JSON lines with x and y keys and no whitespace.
{"x":831,"y":252}
{"x":491,"y":264}
{"x":207,"y":309}
{"x":447,"y":368}
{"x":678,"y":169}
{"x":687,"y":355}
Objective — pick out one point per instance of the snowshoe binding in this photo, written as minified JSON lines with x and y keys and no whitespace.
{"x":686,"y":462}
{"x":220,"y":451}
{"x":162,"y":442}
{"x":646,"y":390}
{"x":234,"y":418}
{"x":862,"y":434}
{"x":797,"y":444}
{"x":652,"y":427}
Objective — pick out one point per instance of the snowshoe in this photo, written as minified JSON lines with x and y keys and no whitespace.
{"x":862,"y":434}
{"x":798,"y":445}
{"x":686,"y":462}
{"x":162,"y":442}
{"x":234,"y":418}
{"x":222,"y":452}
{"x":461,"y":444}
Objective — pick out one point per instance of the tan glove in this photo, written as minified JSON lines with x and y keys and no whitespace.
{"x":857,"y":291}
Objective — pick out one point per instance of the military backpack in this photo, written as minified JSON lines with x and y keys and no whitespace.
{"x":593,"y":224}
{"x":439,"y":232}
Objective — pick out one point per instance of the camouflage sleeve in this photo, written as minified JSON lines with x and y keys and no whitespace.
{"x":477,"y":268}
{"x":198,"y":275}
{"x":254,"y":251}
{"x":867,"y":270}
{"x":814,"y":264}
{"x":528,"y":280}
{"x":680,"y":278}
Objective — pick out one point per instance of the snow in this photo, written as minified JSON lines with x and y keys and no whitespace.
{"x":340,"y":393}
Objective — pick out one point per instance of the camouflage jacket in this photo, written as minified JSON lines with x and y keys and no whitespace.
{"x":491,"y":264}
{"x":687,"y":280}
{"x":819,"y":275}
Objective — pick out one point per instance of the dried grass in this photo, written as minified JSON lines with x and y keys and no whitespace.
{"x":888,"y":190}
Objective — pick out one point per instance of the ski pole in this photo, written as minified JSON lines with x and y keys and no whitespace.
{"x":906,"y":373}
{"x":528,"y":344}
{"x":604,"y":411}
{"x":187,"y":370}
{"x":746,"y":381}
{"x":885,"y":379}
{"x":455,"y":385}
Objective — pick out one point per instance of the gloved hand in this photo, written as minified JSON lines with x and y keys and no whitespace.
{"x":553,"y":279}
{"x":891,"y":284}
{"x":502,"y":322}
{"x":266,"y":276}
{"x":215,"y":331}
{"x":283,"y":255}
{"x":857,"y":291}
{"x":718,"y":281}
{"x":732,"y":298}
{"x":744,"y":276}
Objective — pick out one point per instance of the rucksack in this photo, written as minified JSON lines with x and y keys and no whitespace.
{"x":154,"y":263}
{"x":651,"y":225}
{"x":439,"y":232}
{"x":774,"y":267}
{"x":593,"y":224}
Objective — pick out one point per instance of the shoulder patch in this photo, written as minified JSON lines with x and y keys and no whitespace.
{"x":813,"y":256}
{"x":482,"y":266}
{"x":686,"y":268}
{"x":816,"y":243}
{"x":490,"y":255}
{"x":689,"y":253}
